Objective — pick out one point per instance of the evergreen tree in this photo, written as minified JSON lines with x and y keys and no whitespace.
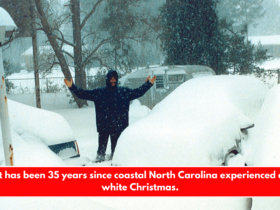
{"x":190,"y":34}
{"x":243,"y":57}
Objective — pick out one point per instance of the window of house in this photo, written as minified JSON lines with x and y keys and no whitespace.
{"x":159,"y":82}
{"x":175,"y":78}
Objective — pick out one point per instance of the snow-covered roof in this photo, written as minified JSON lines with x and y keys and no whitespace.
{"x":265,"y":40}
{"x":175,"y":72}
{"x":159,"y":71}
{"x":42,"y":49}
{"x":271,"y":64}
{"x":6,"y":20}
{"x":201,"y":74}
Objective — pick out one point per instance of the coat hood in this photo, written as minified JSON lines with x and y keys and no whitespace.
{"x":109,"y":75}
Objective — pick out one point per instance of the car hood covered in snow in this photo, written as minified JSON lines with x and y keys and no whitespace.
{"x":32,"y":131}
{"x":195,"y":125}
{"x":50,"y":127}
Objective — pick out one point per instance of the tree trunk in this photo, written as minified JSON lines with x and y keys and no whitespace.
{"x":80,"y":75}
{"x":55,"y":46}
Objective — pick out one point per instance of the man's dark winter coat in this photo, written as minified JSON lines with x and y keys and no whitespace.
{"x":111,"y":103}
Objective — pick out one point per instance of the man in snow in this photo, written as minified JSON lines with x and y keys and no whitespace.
{"x":111,"y":108}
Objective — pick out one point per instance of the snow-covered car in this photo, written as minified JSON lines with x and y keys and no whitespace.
{"x":237,"y":149}
{"x":262,"y":146}
{"x":198,"y":124}
{"x":47,"y":127}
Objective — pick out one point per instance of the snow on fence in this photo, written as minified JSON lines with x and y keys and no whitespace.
{"x":270,"y":77}
{"x":47,"y":85}
{"x":56,"y":84}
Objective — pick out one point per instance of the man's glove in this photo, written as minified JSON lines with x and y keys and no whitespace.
{"x":151,"y":80}
{"x":68,"y":83}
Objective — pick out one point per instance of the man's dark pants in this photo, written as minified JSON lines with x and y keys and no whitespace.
{"x":103,"y":140}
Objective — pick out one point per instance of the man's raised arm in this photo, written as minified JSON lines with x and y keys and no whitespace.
{"x":79,"y":92}
{"x":138,"y":92}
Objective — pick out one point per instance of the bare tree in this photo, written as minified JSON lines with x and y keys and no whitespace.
{"x":97,"y":39}
{"x":55,"y":45}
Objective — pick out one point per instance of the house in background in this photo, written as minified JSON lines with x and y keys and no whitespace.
{"x":46,"y":56}
{"x":271,"y":43}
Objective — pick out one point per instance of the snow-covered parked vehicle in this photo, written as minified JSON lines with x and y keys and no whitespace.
{"x":237,"y":148}
{"x":49,"y":127}
{"x":198,"y":124}
{"x":262,"y":147}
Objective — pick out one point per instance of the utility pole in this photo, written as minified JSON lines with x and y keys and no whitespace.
{"x":5,"y":120}
{"x":278,"y":76}
{"x":153,"y":90}
{"x":23,"y":19}
{"x":6,"y":26}
{"x":36,"y":69}
{"x":35,"y":56}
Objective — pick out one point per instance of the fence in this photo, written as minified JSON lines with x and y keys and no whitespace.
{"x":56,"y":84}
{"x":270,"y":77}
{"x":47,"y":85}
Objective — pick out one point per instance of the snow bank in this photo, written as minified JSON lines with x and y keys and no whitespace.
{"x":49,"y":101}
{"x":32,"y":131}
{"x":273,"y":64}
{"x":30,"y":151}
{"x":266,"y":204}
{"x":50,"y":203}
{"x":262,"y":146}
{"x":180,"y":203}
{"x":195,"y":125}
{"x":50,"y":127}
{"x":138,"y":110}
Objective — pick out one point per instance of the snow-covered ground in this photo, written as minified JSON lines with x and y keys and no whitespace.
{"x":241,"y":104}
{"x":34,"y":129}
{"x":272,"y":64}
{"x":24,"y":203}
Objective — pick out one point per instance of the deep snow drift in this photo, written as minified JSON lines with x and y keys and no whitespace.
{"x":32,"y":131}
{"x":29,"y":150}
{"x":48,"y":126}
{"x":262,"y":146}
{"x":195,"y":125}
{"x":51,"y":204}
{"x":82,"y":122}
